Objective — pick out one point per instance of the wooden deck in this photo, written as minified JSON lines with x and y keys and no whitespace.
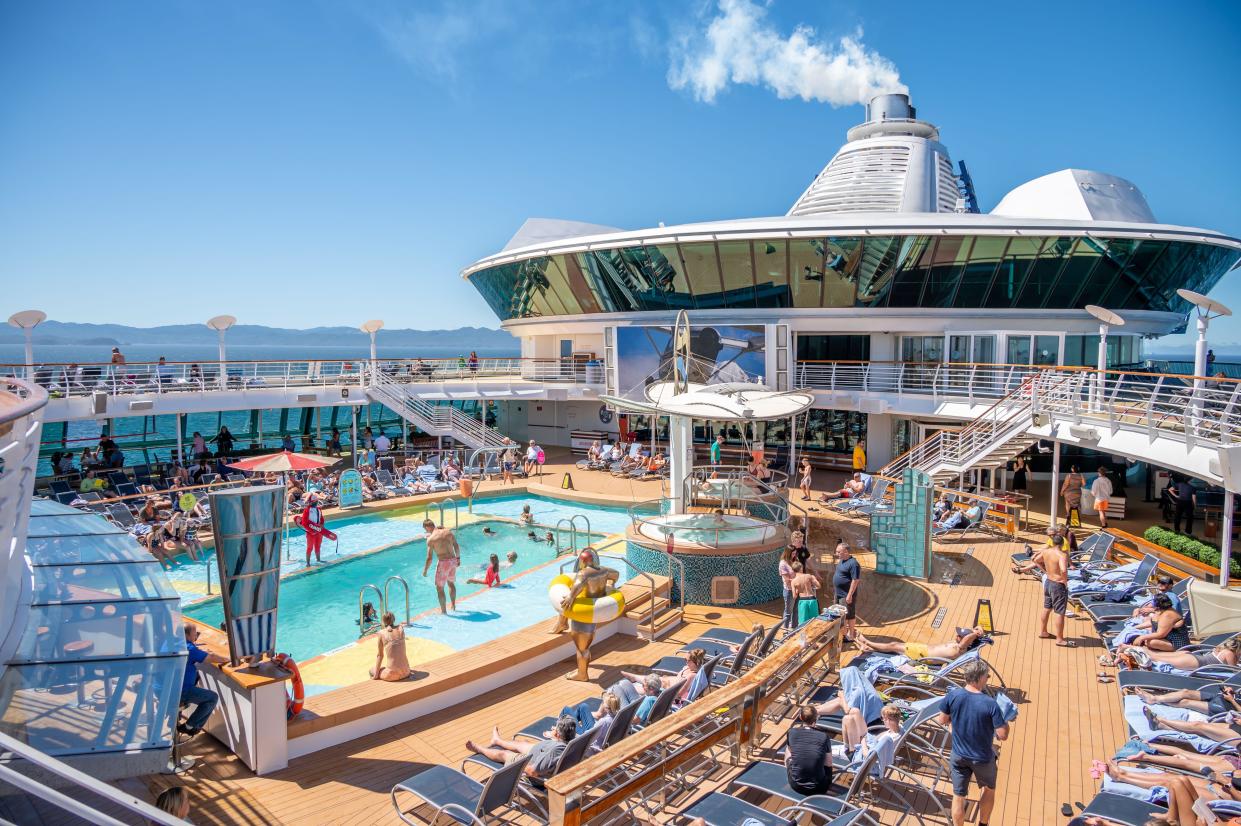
{"x":1067,"y":718}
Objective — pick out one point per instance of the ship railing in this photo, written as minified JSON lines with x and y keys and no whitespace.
{"x":729,"y":720}
{"x":21,"y":404}
{"x":140,"y":378}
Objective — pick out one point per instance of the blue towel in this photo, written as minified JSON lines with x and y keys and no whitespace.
{"x":1007,"y":707}
{"x":1155,"y":794}
{"x":1141,"y":726}
{"x":859,"y":693}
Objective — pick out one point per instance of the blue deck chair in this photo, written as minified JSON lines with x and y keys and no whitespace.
{"x":874,"y":491}
{"x":736,"y":636}
{"x":574,"y":752}
{"x":1104,"y":611}
{"x":719,"y":809}
{"x":1116,"y":808}
{"x":969,"y":524}
{"x":1093,"y":548}
{"x":1135,"y":577}
{"x":448,"y":791}
{"x":1208,"y":678}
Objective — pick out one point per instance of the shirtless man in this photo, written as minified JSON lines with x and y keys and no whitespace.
{"x":1055,"y":564}
{"x":965,"y":639}
{"x":852,"y":489}
{"x":443,"y":545}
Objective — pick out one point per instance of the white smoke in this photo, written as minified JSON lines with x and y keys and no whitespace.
{"x":741,"y":46}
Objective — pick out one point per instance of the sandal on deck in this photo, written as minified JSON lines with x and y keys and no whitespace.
{"x":1066,"y":644}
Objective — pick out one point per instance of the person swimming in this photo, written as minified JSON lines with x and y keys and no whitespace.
{"x":532,"y":536}
{"x":489,"y":532}
{"x":550,"y":539}
{"x":369,"y":615}
{"x":512,"y":560}
{"x":491,"y":576}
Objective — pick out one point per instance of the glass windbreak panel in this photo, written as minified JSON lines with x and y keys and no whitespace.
{"x":1012,"y":272}
{"x":840,"y":267}
{"x":1083,"y":259}
{"x":91,"y":549}
{"x":1046,"y":350}
{"x":771,"y":281}
{"x":906,"y":290}
{"x":1131,"y":275}
{"x":559,"y":286}
{"x":105,"y":630}
{"x":65,"y":525}
{"x":806,"y":271}
{"x":702,"y":268}
{"x":124,"y":705}
{"x":1158,"y":288}
{"x":98,"y":583}
{"x":1018,"y":349}
{"x":737,"y":270}
{"x":1044,"y":272}
{"x":979,"y":270}
{"x":945,"y":271}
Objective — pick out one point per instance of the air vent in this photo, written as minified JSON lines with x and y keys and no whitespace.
{"x":725,"y":590}
{"x":143,"y":405}
{"x":306,"y":397}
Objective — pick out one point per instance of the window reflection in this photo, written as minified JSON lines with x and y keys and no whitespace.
{"x":1018,"y":272}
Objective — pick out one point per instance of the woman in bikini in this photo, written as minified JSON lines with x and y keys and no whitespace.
{"x":390,"y":645}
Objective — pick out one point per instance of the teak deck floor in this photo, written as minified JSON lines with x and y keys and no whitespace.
{"x":1067,"y":717}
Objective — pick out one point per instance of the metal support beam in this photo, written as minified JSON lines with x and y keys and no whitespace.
{"x":1055,"y":480}
{"x":1225,"y":545}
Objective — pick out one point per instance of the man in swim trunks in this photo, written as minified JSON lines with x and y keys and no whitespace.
{"x":1055,"y":564}
{"x":443,"y":545}
{"x":964,"y":641}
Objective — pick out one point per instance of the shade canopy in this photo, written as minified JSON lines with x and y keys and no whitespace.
{"x":283,"y":461}
{"x":717,"y":402}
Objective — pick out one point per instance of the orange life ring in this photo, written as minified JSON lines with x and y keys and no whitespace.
{"x":298,"y":701}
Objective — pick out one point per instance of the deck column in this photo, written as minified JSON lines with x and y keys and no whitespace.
{"x":1055,"y":480}
{"x":681,"y":459}
{"x":1225,"y":545}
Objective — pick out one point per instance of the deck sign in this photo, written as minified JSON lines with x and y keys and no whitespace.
{"x":350,"y":489}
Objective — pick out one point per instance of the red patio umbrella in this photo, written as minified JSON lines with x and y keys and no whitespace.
{"x":282,"y":462}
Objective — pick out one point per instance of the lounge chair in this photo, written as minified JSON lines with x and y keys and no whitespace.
{"x":968,"y":525}
{"x":1117,"y":808}
{"x":1120,"y":577}
{"x":1102,"y":612}
{"x":875,"y":490}
{"x":448,"y":791}
{"x":1093,"y":548}
{"x":385,"y":479}
{"x":719,"y":809}
{"x":574,"y":751}
{"x":1197,"y":680}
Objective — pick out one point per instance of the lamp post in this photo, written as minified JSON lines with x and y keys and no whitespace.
{"x":221,"y":323}
{"x":1107,"y":319}
{"x":27,"y":320}
{"x":372,"y":327}
{"x":1207,"y":309}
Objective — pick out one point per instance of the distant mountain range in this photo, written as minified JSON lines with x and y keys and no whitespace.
{"x":115,"y":335}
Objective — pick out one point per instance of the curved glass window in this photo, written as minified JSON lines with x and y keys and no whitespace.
{"x":100,"y":661}
{"x":996,"y":272}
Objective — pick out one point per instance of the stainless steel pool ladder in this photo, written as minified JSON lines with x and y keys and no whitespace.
{"x":405,"y":585}
{"x":440,"y":505}
{"x":572,"y":536}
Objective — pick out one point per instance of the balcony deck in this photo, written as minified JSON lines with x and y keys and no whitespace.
{"x":1067,"y":718}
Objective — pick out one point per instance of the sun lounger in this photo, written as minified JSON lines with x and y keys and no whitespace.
{"x":446,"y":790}
{"x":1103,"y":611}
{"x":1117,"y":808}
{"x":719,"y":809}
{"x":1198,"y":680}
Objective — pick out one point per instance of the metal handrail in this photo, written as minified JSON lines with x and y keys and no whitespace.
{"x":79,"y":780}
{"x":772,"y":526}
{"x":387,"y":582}
{"x":573,"y":519}
{"x":382,"y":609}
{"x":572,"y":535}
{"x":440,"y":505}
{"x":207,"y":565}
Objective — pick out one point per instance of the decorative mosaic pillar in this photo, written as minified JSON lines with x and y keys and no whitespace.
{"x":901,"y":537}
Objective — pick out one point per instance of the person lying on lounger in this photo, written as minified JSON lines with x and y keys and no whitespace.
{"x":851,"y":490}
{"x":965,"y":639}
{"x":1215,"y":700}
{"x":1220,"y":732}
{"x":544,"y":755}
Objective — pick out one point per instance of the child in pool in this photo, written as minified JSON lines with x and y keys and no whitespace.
{"x":491,"y":577}
{"x":549,"y":539}
{"x":527,"y":518}
{"x":489,"y":532}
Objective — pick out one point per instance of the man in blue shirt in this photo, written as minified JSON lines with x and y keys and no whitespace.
{"x":203,"y":699}
{"x":845,"y":582}
{"x":976,"y":721}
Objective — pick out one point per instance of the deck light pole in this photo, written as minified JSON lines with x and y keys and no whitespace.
{"x":1107,"y":319}
{"x":372,"y":327}
{"x":27,"y":320}
{"x":1207,"y":309}
{"x":220,"y":324}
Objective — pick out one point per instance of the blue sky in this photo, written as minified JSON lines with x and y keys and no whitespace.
{"x":299,"y":163}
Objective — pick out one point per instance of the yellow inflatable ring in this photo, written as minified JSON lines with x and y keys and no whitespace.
{"x":585,"y":609}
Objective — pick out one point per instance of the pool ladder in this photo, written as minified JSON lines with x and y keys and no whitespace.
{"x":384,"y":599}
{"x":572,"y":523}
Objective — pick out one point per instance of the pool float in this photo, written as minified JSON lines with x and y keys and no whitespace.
{"x":298,"y":701}
{"x":585,"y":609}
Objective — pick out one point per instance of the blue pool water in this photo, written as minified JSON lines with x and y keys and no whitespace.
{"x":548,"y":512}
{"x":319,"y":610}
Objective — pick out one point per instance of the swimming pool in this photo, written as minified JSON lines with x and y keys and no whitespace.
{"x":319,"y":610}
{"x":319,"y":607}
{"x":710,"y":530}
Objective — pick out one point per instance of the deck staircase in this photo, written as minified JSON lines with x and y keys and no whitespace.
{"x":990,"y":441}
{"x":434,"y":419}
{"x":654,"y":618}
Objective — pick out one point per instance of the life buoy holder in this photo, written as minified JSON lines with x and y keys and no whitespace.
{"x":297,"y":702}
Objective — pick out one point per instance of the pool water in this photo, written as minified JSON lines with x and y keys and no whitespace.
{"x":603,"y":519}
{"x":319,"y":610}
{"x":703,"y":529}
